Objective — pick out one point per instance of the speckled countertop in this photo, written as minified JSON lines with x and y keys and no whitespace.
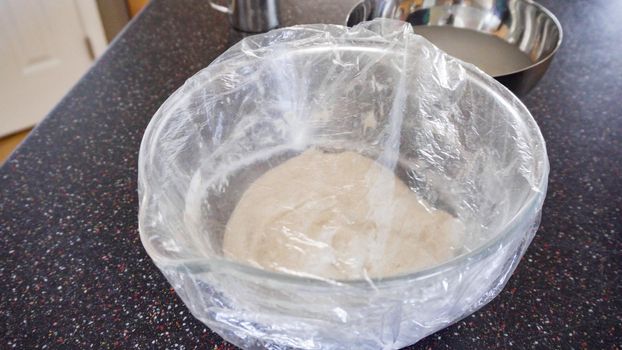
{"x":73,"y":271}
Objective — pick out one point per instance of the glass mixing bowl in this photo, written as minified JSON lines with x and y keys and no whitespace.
{"x":464,"y":143}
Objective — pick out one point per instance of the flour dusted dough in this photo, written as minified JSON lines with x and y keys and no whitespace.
{"x":337,"y":216}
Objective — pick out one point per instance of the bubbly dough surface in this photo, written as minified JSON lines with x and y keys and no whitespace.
{"x":338,"y":216}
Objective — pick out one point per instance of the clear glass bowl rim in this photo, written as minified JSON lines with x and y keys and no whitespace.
{"x":531,"y":205}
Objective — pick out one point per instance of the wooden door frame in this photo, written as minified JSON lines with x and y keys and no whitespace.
{"x":91,"y":21}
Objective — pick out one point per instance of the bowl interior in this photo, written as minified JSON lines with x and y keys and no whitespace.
{"x":500,"y":37}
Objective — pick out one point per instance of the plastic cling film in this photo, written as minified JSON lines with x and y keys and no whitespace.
{"x":340,"y":216}
{"x":324,"y":187}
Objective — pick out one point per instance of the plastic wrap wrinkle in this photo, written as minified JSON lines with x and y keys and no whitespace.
{"x":324,"y":187}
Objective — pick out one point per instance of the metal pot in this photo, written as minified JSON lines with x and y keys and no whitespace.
{"x":523,"y":25}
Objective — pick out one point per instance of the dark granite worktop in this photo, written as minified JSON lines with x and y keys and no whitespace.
{"x":73,"y":270}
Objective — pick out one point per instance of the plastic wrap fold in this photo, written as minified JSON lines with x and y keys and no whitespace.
{"x":455,"y":137}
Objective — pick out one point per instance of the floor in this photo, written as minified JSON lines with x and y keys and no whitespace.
{"x":9,"y":143}
{"x":134,"y":6}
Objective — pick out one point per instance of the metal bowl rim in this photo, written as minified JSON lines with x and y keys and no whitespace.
{"x":534,"y":64}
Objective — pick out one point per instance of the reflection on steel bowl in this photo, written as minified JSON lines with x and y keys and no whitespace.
{"x":511,"y":40}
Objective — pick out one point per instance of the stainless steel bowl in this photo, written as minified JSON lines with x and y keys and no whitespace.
{"x":518,"y":38}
